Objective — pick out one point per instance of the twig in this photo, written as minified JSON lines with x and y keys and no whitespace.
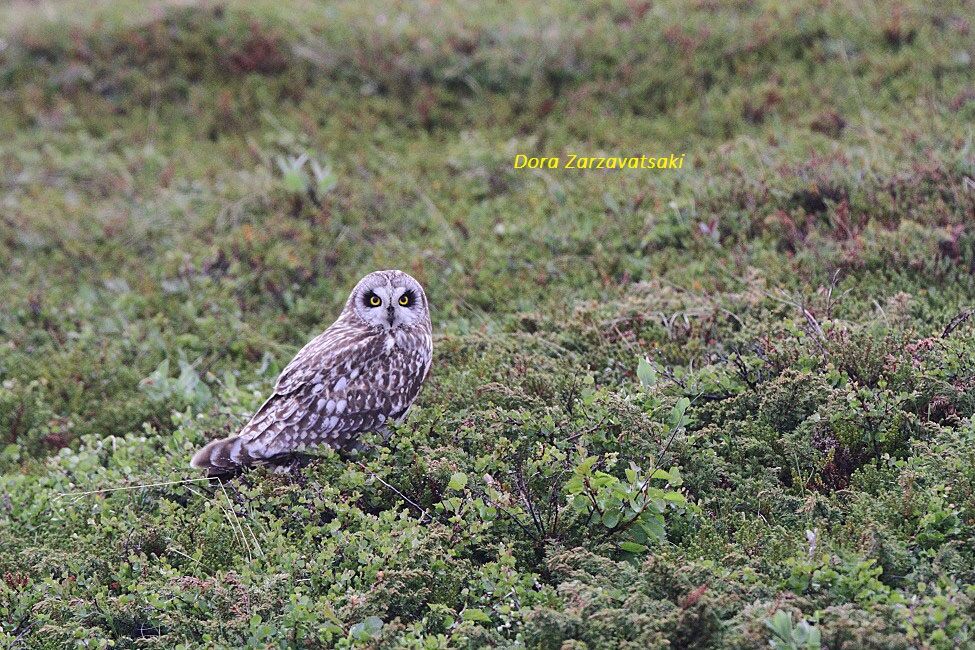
{"x":250,"y":530}
{"x":509,"y":515}
{"x":813,"y":323}
{"x":519,"y":477}
{"x":27,"y":627}
{"x":578,"y":434}
{"x":238,"y":536}
{"x":957,"y":322}
{"x":232,"y":517}
{"x":189,"y":557}
{"x":421,"y":509}
{"x":829,"y":294}
{"x":128,"y":487}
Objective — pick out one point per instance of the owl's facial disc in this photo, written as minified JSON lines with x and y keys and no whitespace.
{"x":389,"y":299}
{"x":405,"y":306}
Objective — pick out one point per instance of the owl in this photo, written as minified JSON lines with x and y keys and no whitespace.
{"x":361,"y":373}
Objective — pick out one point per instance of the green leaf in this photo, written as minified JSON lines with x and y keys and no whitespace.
{"x":585,"y":467}
{"x":372,"y":624}
{"x":458,"y":480}
{"x":781,"y":625}
{"x":633,"y":547}
{"x":602,"y":479}
{"x":326,"y":183}
{"x":646,"y":373}
{"x":574,"y":485}
{"x":294,"y":181}
{"x":611,"y":518}
{"x":370,"y":627}
{"x":676,"y":419}
{"x":661,"y":474}
{"x":675,"y":497}
{"x":639,"y":535}
{"x":191,"y":387}
{"x":580,"y":503}
{"x":675,"y":477}
{"x":474,"y":614}
{"x":654,"y":526}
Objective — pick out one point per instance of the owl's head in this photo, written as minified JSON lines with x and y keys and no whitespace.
{"x":388,"y":300}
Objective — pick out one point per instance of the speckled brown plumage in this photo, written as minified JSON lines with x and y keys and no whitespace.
{"x":364,"y":371}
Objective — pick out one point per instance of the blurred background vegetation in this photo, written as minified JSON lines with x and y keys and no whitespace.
{"x":722,"y":406}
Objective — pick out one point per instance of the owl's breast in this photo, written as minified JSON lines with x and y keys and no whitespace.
{"x":411,"y":339}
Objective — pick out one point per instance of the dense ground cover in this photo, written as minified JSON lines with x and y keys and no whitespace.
{"x":776,"y":334}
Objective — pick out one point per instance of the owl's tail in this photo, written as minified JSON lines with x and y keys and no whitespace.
{"x":223,"y":456}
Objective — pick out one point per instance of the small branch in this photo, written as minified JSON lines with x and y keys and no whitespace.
{"x":423,"y":512}
{"x":575,"y":436}
{"x":513,"y":518}
{"x":523,"y":489}
{"x":128,"y":487}
{"x":22,"y":628}
{"x":813,"y":323}
{"x":957,"y":322}
{"x":829,"y":294}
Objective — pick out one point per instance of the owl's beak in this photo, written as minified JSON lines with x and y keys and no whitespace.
{"x":389,"y":315}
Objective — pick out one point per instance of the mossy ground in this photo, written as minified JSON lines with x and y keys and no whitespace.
{"x":802,"y":281}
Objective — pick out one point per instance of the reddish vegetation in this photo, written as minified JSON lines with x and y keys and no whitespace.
{"x":55,"y":441}
{"x":829,"y":123}
{"x":262,"y":52}
{"x":691,"y":599}
{"x":16,"y":581}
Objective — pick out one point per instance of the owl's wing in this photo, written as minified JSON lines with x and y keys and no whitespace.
{"x":338,"y":386}
{"x":325,"y":356}
{"x":320,"y":394}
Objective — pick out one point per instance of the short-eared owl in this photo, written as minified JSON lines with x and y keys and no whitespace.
{"x":363,"y":371}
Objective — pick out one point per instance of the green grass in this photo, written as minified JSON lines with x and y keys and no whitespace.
{"x":778,"y":327}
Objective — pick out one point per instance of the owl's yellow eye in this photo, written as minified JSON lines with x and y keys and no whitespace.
{"x":375,"y":301}
{"x":404,"y":299}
